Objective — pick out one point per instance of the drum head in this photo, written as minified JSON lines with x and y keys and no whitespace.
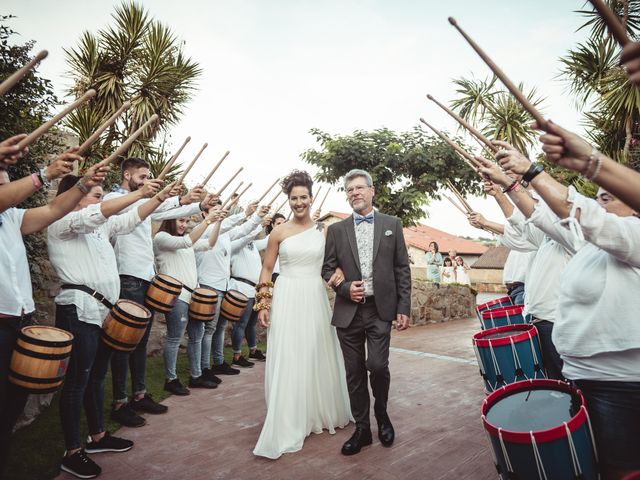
{"x":46,"y":334}
{"x":167,"y":279}
{"x":206,"y":292}
{"x":238,"y":295}
{"x":134,"y":309}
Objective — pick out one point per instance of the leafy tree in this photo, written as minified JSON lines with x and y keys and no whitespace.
{"x":407,"y":168}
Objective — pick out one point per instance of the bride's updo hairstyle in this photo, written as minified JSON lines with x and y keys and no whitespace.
{"x":297,"y":178}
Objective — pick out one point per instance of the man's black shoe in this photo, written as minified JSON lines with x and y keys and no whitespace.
{"x":386,"y":434}
{"x":224,"y":369}
{"x":174,"y":386}
{"x":80,"y":465}
{"x":127,"y":417}
{"x":201,"y":382}
{"x":148,"y":405}
{"x":108,"y":443}
{"x":360,"y":438}
{"x":257,"y":355}
{"x":208,"y":374}
{"x":242,"y":362}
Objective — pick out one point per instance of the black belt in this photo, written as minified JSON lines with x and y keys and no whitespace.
{"x":94,"y":293}
{"x":369,"y":299}
{"x":244,"y":280}
{"x":513,"y":285}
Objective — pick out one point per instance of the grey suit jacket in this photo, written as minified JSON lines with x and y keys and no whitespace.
{"x":391,"y":272}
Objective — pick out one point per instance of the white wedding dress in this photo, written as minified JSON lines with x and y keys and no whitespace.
{"x":305,"y":385}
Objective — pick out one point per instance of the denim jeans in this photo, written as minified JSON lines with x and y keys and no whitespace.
{"x":84,"y":382}
{"x":12,"y":397}
{"x":245,"y":326}
{"x":209,"y":331}
{"x":517,"y":295}
{"x":177,"y":322}
{"x":134,"y":289}
{"x":217,"y":345}
{"x":614,"y":409}
{"x":550,"y":356}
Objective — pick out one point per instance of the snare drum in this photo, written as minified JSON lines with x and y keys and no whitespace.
{"x":495,"y":303}
{"x":508,"y":354}
{"x":540,"y":429}
{"x":233,"y":305}
{"x":203,"y":304}
{"x":125,"y":325}
{"x":502,"y":316}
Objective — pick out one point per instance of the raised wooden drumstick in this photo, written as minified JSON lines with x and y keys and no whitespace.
{"x":232,"y":194}
{"x":173,"y":159}
{"x":476,"y":133}
{"x":325,"y":197}
{"x":129,"y":141}
{"x":472,"y":162}
{"x":230,"y":180}
{"x":615,"y":26}
{"x":453,"y":202}
{"x":315,"y":196}
{"x":524,"y":101}
{"x":274,"y":198}
{"x":237,"y":199}
{"x":44,"y":128}
{"x":16,"y":76}
{"x":281,"y":206}
{"x":190,"y":166}
{"x":110,"y":121}
{"x":459,"y":196}
{"x":213,"y":170}
{"x":268,"y":190}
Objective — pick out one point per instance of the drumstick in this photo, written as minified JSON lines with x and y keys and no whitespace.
{"x":615,"y":26}
{"x":16,"y":76}
{"x":230,"y":180}
{"x":455,"y":204}
{"x":325,"y":197}
{"x":268,"y":190}
{"x":193,"y":162}
{"x":44,"y":128}
{"x":129,"y":141}
{"x":281,"y":205}
{"x":237,"y":199}
{"x":216,"y":167}
{"x":459,"y":196}
{"x":528,"y":106}
{"x":476,"y":133}
{"x":172,"y":160}
{"x":472,"y":162}
{"x":315,"y":196}
{"x":274,"y":198}
{"x":110,"y":121}
{"x":231,"y":196}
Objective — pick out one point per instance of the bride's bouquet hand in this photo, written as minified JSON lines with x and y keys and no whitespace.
{"x":263,"y":318}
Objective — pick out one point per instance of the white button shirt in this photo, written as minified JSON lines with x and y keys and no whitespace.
{"x":246,"y":262}
{"x":134,"y":252}
{"x":16,"y":295}
{"x":80,"y":253}
{"x":517,"y":266}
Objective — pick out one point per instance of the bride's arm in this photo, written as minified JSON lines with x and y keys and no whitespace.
{"x":268,"y":262}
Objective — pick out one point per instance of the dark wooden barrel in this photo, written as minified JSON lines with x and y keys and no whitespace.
{"x":163,"y":293}
{"x":125,"y":325}
{"x":233,"y":305}
{"x":203,"y":304}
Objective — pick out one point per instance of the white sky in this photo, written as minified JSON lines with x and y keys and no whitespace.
{"x":273,"y":69}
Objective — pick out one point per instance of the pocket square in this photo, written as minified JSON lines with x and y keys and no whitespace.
{"x":388,"y":233}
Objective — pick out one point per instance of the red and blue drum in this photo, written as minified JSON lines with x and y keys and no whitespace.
{"x":540,"y":429}
{"x":508,"y":354}
{"x":495,"y":303}
{"x":502,"y":316}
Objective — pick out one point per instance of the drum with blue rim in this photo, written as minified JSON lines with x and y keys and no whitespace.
{"x":502,"y":316}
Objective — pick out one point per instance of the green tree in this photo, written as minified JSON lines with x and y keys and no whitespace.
{"x":137,"y":59}
{"x":407,"y":168}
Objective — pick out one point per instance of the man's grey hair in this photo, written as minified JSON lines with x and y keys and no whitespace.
{"x":355,"y":173}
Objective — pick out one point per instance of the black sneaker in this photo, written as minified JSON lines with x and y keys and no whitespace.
{"x":80,"y":465}
{"x":243,"y":362}
{"x":201,"y":382}
{"x":207,"y":374}
{"x":149,"y":405}
{"x":257,"y":355}
{"x":127,"y":417}
{"x":108,"y":444}
{"x":224,"y":369}
{"x":174,"y":386}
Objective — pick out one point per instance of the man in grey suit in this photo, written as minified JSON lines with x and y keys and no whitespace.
{"x":369,"y":248}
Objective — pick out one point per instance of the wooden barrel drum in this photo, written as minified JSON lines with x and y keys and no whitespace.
{"x":125,"y":325}
{"x":203,"y":304}
{"x":233,"y":305}
{"x":163,"y":293}
{"x":40,"y":358}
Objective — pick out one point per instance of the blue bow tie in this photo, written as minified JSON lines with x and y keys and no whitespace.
{"x":366,"y":218}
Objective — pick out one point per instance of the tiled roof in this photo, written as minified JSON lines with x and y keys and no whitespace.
{"x":492,"y":259}
{"x":421,"y":235}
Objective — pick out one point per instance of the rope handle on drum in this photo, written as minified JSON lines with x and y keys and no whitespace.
{"x":542,"y":475}
{"x":536,"y":362}
{"x":94,"y":293}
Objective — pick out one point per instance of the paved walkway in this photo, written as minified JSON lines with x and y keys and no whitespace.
{"x":435,"y":399}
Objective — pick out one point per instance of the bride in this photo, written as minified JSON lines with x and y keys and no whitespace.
{"x":305,"y":385}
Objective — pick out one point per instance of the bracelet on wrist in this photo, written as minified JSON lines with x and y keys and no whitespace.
{"x":263,"y":305}
{"x":42,"y":175}
{"x":594,"y":165}
{"x":82,"y":187}
{"x":534,"y":170}
{"x":35,"y":179}
{"x":268,"y":284}
{"x":511,"y":187}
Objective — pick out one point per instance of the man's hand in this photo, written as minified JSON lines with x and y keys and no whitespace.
{"x":511,"y":159}
{"x":251,"y":208}
{"x":402,"y":322}
{"x":151,"y":187}
{"x":210,"y":201}
{"x":493,"y":172}
{"x":215,"y":214}
{"x":565,"y":148}
{"x":477,"y":220}
{"x":95,"y":175}
{"x":356,"y":291}
{"x":62,"y":165}
{"x":490,"y":188}
{"x":9,"y":151}
{"x":262,"y":211}
{"x":192,"y":196}
{"x":166,"y":192}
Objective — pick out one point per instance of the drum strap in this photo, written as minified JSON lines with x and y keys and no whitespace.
{"x":190,"y":290}
{"x":244,"y":280}
{"x":94,"y":293}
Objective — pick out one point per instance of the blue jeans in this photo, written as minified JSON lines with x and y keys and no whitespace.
{"x":177,"y":322}
{"x":245,"y":326}
{"x":614,"y":409}
{"x":134,"y":289}
{"x":84,"y":382}
{"x":12,"y":397}
{"x":217,"y":344}
{"x":209,"y":332}
{"x":517,"y":295}
{"x":550,"y":356}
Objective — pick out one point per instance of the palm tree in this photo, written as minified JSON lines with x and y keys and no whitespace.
{"x":137,"y":59}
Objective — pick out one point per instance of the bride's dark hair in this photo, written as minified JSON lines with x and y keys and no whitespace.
{"x":297,"y":178}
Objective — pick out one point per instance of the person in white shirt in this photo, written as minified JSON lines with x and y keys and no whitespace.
{"x":16,"y":298}
{"x":214,"y":269}
{"x":447,"y":271}
{"x":83,"y":258}
{"x":462,"y":272}
{"x":174,"y":251}
{"x":134,"y":254}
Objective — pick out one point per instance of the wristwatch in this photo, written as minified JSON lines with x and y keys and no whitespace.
{"x":42,"y":175}
{"x":534,"y":170}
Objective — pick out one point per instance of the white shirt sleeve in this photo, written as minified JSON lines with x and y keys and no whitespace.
{"x":171,"y":208}
{"x":202,"y":245}
{"x":547,"y":221}
{"x":124,"y":223}
{"x":231,"y":222}
{"x":246,"y":228}
{"x":79,"y":222}
{"x":168,"y":243}
{"x":240,"y":243}
{"x":520,"y":236}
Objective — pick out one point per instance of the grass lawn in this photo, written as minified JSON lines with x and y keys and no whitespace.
{"x":36,"y":450}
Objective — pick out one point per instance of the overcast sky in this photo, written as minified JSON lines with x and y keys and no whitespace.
{"x":273,"y":69}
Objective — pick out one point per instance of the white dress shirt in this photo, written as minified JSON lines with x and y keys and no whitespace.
{"x":16,"y":295}
{"x":80,"y":253}
{"x":134,"y":252}
{"x":517,"y":266}
{"x":246,"y":262}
